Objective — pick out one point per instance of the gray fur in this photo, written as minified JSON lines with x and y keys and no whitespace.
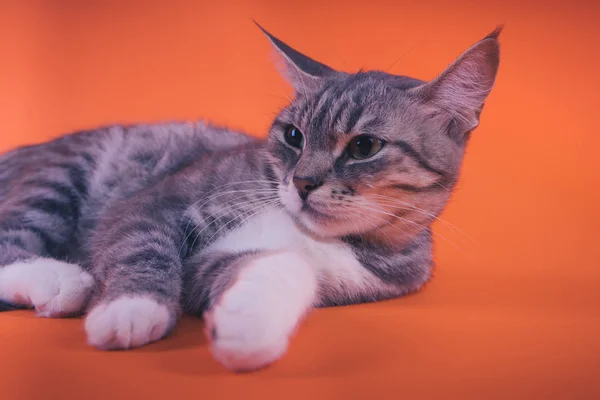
{"x":136,"y":205}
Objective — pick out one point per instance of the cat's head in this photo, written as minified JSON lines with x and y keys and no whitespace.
{"x":359,"y":153}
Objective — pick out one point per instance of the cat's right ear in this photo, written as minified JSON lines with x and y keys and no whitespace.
{"x":304,"y":73}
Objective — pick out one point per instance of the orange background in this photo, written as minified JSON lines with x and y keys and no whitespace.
{"x":514,"y":312}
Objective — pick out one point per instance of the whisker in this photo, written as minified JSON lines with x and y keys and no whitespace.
{"x":362,"y":218}
{"x":456,"y":247}
{"x":216,"y":189}
{"x":392,"y":202}
{"x":231,"y":206}
{"x":255,"y":211}
{"x":234,"y":207}
{"x":234,"y":183}
{"x":217,"y":195}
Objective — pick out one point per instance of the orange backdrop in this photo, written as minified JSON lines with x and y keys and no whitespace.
{"x":513,"y":310}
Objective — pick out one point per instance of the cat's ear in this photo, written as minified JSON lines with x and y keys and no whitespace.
{"x":464,"y":86}
{"x":304,"y":73}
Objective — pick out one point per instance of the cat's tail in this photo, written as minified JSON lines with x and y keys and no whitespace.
{"x":5,"y":306}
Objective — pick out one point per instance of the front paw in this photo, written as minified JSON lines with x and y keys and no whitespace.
{"x":128,"y":322}
{"x":54,"y":288}
{"x":251,"y":324}
{"x":241,"y":333}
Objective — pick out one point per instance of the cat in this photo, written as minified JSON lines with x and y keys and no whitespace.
{"x":136,"y":225}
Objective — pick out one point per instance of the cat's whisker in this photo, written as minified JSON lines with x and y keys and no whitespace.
{"x":229,"y":192}
{"x":380,"y":227}
{"x":213,"y":193}
{"x":230,"y":206}
{"x":197,"y":215}
{"x":386,"y":222}
{"x":363,"y":218}
{"x":217,"y":188}
{"x":456,"y":247}
{"x":194,"y":207}
{"x":257,"y":181}
{"x":233,"y":205}
{"x":443,"y":187}
{"x":263,"y":207}
{"x":377,"y":208}
{"x":392,"y":202}
{"x":237,"y":205}
{"x":356,"y":214}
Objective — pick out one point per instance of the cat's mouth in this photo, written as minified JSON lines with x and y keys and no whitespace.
{"x":315,"y":212}
{"x":316,"y":221}
{"x":317,"y":218}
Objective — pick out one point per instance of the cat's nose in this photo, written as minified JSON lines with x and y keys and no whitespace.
{"x":306,"y":185}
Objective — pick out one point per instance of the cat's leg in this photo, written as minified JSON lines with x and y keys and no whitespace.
{"x":39,"y":209}
{"x":254,"y":302}
{"x":136,"y":257}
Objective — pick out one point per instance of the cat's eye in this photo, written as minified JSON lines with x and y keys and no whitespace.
{"x":364,"y":146}
{"x":293,"y":137}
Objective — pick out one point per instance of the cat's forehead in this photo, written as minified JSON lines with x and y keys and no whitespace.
{"x":363,"y":103}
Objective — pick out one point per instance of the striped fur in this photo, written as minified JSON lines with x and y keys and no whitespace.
{"x":187,"y":217}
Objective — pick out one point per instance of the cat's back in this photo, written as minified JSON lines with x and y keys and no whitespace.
{"x":151,"y":145}
{"x":112,"y":162}
{"x":129,"y":157}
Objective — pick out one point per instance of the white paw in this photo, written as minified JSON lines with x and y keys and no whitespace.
{"x":251,"y":324}
{"x":55,"y":288}
{"x":127,"y":322}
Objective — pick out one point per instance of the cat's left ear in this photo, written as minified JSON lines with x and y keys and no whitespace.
{"x":464,"y":86}
{"x":304,"y":73}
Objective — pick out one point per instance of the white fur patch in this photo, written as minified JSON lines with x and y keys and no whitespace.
{"x":255,"y":317}
{"x":251,"y":324}
{"x":55,"y":288}
{"x":127,"y":322}
{"x":332,"y":260}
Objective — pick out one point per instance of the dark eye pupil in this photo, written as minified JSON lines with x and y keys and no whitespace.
{"x":293,"y":137}
{"x":364,"y":146}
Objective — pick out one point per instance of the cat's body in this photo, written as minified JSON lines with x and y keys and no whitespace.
{"x":139,"y":224}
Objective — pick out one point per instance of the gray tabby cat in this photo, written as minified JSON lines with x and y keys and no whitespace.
{"x":135,"y":225}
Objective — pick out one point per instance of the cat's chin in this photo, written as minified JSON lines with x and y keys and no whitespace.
{"x":319,"y":225}
{"x":312,"y":220}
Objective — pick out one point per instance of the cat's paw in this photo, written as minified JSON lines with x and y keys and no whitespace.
{"x":244,"y":339}
{"x":127,"y":322}
{"x":54,"y":288}
{"x":251,"y":324}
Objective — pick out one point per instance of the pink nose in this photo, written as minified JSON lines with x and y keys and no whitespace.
{"x":306,"y":185}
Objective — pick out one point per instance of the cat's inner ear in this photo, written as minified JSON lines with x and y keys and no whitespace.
{"x":462,"y":89}
{"x":304,"y":73}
